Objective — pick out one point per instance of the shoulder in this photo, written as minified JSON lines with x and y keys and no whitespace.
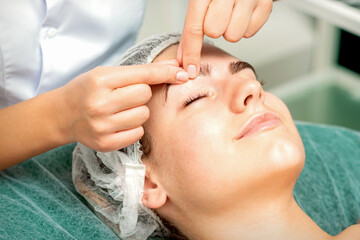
{"x":350,"y":233}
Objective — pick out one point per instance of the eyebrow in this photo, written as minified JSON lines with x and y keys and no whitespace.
{"x":237,"y":66}
{"x":205,"y":70}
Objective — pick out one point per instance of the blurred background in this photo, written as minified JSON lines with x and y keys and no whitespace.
{"x":307,"y":53}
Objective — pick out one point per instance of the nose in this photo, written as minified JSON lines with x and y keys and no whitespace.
{"x":247,"y":93}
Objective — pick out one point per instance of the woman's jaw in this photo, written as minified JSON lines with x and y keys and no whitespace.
{"x":222,"y":149}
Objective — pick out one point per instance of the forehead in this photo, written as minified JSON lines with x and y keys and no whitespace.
{"x":208,"y":53}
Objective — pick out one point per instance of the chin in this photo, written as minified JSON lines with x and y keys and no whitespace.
{"x":286,"y":155}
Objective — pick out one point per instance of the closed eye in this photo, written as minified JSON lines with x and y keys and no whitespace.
{"x":195,"y":98}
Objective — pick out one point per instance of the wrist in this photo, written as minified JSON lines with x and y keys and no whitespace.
{"x":61,"y":116}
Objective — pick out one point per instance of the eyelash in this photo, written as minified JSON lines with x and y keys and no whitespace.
{"x":205,"y":94}
{"x":195,"y":98}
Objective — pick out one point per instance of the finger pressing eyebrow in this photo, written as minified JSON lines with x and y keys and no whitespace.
{"x":205,"y":70}
{"x":237,"y":66}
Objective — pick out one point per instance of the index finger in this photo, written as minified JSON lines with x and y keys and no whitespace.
{"x":151,"y":74}
{"x":193,"y":35}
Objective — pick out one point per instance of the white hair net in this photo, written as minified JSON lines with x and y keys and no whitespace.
{"x":113,"y":182}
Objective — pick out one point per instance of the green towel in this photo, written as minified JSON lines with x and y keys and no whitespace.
{"x":39,"y":201}
{"x":328,"y":188}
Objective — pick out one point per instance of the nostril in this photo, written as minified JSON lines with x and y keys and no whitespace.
{"x":247,"y":99}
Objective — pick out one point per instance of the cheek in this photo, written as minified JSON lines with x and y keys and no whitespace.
{"x":195,"y":141}
{"x":192,"y":152}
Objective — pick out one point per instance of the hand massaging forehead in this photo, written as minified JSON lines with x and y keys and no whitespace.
{"x":113,"y":182}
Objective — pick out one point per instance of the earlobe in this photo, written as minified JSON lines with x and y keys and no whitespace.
{"x":154,"y":194}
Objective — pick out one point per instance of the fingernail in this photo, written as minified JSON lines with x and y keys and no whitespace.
{"x":191,"y":69}
{"x":182,"y":76}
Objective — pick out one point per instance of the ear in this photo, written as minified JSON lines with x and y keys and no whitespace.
{"x":154,"y":194}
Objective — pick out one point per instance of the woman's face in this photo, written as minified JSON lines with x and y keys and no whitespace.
{"x":204,"y":151}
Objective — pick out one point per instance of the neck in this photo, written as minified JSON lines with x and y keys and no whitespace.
{"x":282,"y":219}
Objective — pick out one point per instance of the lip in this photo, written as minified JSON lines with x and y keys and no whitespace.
{"x":260,"y":123}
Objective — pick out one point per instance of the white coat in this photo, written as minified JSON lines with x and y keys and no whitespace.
{"x":46,"y":43}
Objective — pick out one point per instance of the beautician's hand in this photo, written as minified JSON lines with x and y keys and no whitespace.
{"x":107,"y":104}
{"x":103,"y":109}
{"x":233,"y":19}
